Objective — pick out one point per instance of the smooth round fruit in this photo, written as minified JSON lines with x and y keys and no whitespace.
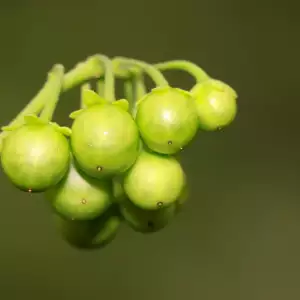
{"x":92,"y":234}
{"x":154,"y":181}
{"x":216,"y":104}
{"x":105,"y":140}
{"x":35,"y":157}
{"x":146,"y":221}
{"x":167,"y":119}
{"x":79,"y":196}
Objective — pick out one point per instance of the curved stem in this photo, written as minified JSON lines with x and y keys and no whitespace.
{"x":139,"y":90}
{"x":123,"y":64}
{"x":109,"y":78}
{"x":128,"y":91}
{"x":184,"y":65}
{"x":52,"y":92}
{"x":83,"y":71}
{"x":100,"y":87}
{"x":85,"y":86}
{"x":139,"y":85}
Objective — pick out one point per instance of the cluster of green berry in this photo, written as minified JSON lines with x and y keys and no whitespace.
{"x":118,"y":160}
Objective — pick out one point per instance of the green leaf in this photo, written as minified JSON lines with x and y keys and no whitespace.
{"x":62,"y":129}
{"x":75,"y":114}
{"x":122,"y":103}
{"x":33,"y":120}
{"x":90,"y":98}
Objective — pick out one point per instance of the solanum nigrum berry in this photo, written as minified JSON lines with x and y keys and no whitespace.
{"x":36,"y":155}
{"x":154,"y":181}
{"x":167,"y":119}
{"x":216,"y":104}
{"x":90,"y":234}
{"x":79,"y":196}
{"x":105,"y":139}
{"x":146,"y":221}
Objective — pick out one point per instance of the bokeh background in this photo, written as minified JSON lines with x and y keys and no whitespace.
{"x":239,"y":235}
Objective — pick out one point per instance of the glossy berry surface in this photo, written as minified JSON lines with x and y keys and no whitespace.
{"x":35,"y":157}
{"x":154,"y":181}
{"x":79,"y":196}
{"x":216,"y":104}
{"x":105,"y":140}
{"x":167,"y":119}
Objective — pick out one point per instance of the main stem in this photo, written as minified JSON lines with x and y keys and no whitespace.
{"x":85,"y":86}
{"x":83,"y":71}
{"x":139,"y":90}
{"x":52,"y":92}
{"x":109,"y":78}
{"x":124,"y":64}
{"x":198,"y":73}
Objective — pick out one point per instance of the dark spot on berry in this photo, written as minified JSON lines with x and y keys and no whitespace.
{"x":170,"y":142}
{"x":99,"y":168}
{"x":160,"y":204}
{"x":83,"y":201}
{"x":150,"y":225}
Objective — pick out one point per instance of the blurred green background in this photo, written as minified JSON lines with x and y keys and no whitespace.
{"x":239,"y":236}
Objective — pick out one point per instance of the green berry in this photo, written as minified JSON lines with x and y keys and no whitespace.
{"x":90,"y":234}
{"x":146,"y":221}
{"x":104,"y":140}
{"x":79,"y":196}
{"x":216,"y":104}
{"x":154,"y":181}
{"x":167,"y":119}
{"x":35,"y":156}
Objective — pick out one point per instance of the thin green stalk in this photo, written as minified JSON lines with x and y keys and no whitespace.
{"x":122,"y":64}
{"x":52,"y":92}
{"x":100,"y":87}
{"x":83,"y":71}
{"x":128,"y":91}
{"x":109,"y":78}
{"x":198,"y":73}
{"x":91,"y":68}
{"x":85,"y":86}
{"x":139,"y":90}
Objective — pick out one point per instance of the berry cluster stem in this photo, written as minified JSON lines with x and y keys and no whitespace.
{"x":109,"y":78}
{"x":198,"y":73}
{"x":85,"y":86}
{"x":51,"y":92}
{"x":123,"y":64}
{"x":83,"y":71}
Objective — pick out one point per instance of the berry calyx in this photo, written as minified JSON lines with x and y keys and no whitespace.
{"x":35,"y":156}
{"x":105,"y":139}
{"x":167,"y":119}
{"x":154,"y":181}
{"x":216,"y":104}
{"x":80,"y":197}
